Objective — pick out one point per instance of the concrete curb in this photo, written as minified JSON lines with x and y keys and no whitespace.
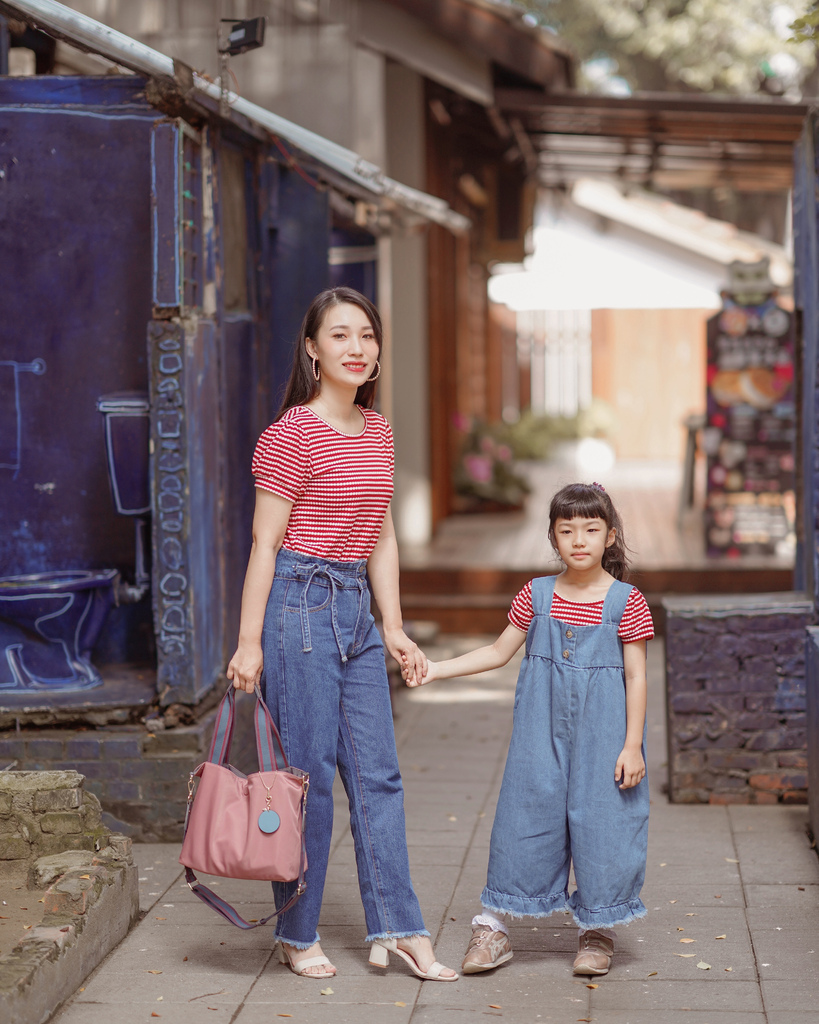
{"x":89,"y":909}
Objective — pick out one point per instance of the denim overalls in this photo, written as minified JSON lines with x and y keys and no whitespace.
{"x":559,"y":803}
{"x":325,"y":682}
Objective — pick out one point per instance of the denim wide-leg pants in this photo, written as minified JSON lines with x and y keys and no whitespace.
{"x":325,"y":682}
{"x":559,"y":804}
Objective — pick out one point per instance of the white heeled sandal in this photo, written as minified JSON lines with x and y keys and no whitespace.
{"x":380,"y":957}
{"x":300,"y":966}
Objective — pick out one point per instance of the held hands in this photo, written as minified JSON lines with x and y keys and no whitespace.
{"x":429,"y":676}
{"x":408,"y":654}
{"x":245,"y":668}
{"x":630,"y":767}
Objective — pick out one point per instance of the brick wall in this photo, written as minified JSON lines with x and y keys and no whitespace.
{"x":735,"y":688}
{"x":139,"y":776}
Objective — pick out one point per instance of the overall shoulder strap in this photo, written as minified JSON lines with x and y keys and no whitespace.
{"x":543,"y":588}
{"x":615,"y":603}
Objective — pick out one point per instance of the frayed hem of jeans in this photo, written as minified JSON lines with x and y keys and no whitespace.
{"x":295,"y":944}
{"x":423,"y":933}
{"x":609,"y":917}
{"x":521,"y":906}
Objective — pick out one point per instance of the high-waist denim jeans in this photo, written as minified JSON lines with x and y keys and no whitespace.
{"x":325,"y":683}
{"x":559,"y":803}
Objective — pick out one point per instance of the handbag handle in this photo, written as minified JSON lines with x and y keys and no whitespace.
{"x":267,"y":735}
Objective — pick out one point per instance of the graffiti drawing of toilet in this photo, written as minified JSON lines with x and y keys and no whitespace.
{"x":50,"y":621}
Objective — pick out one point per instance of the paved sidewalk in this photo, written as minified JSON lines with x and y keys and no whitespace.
{"x":741,"y":882}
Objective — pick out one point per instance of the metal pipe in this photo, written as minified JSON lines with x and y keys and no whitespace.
{"x":94,"y":37}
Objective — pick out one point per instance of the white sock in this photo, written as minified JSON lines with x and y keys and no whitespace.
{"x":486,"y":919}
{"x":609,"y":933}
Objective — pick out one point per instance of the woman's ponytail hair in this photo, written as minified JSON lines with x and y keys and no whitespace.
{"x":590,"y":501}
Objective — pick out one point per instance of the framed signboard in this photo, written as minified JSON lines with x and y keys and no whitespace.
{"x":750,"y":431}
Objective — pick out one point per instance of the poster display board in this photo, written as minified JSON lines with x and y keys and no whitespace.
{"x":750,"y":431}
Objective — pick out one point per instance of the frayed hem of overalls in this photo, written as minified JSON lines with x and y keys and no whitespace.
{"x":297,"y":945}
{"x":373,"y":936}
{"x":608,"y":917}
{"x":523,"y":906}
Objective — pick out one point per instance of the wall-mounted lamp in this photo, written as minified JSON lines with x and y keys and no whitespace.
{"x":244,"y":36}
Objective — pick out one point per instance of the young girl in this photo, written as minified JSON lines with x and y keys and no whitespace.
{"x":574,"y":789}
{"x":322,"y":530}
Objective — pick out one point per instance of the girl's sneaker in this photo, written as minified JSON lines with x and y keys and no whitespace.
{"x":594,"y":953}
{"x":486,"y":949}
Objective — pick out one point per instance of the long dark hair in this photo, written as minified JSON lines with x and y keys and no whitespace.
{"x":302,"y":385}
{"x":590,"y":501}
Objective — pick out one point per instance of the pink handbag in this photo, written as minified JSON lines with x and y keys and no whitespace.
{"x":245,"y":826}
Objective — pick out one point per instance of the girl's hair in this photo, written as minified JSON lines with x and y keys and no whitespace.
{"x":302,"y":385}
{"x":590,"y":501}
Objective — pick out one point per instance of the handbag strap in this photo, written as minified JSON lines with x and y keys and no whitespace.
{"x":268,"y":739}
{"x":229,"y":913}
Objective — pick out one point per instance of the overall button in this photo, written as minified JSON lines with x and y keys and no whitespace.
{"x":569,"y":634}
{"x":566,"y":654}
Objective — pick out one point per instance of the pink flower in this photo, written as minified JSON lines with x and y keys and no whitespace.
{"x":504,"y":452}
{"x":479,"y":468}
{"x":461,"y":422}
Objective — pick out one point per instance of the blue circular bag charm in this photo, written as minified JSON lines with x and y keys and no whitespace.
{"x":269,"y":821}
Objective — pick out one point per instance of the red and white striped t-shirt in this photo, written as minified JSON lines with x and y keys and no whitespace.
{"x":340,"y":484}
{"x":636,"y":623}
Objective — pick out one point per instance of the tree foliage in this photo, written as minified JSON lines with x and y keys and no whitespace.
{"x":703,"y":45}
{"x":806,"y":28}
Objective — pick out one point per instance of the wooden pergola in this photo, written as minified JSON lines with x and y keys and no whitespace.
{"x":664,"y":140}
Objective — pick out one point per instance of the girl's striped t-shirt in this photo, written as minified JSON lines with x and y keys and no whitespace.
{"x":340,"y":484}
{"x":636,"y":623}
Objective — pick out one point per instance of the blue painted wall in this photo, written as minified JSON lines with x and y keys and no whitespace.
{"x":74,"y":216}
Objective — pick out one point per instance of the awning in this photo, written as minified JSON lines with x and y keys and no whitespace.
{"x":670,"y":140}
{"x":92,"y":36}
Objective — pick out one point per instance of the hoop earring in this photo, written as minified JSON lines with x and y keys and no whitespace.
{"x":377,"y":372}
{"x":316,"y":369}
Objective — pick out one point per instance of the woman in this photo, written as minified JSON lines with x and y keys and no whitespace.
{"x":322,"y":527}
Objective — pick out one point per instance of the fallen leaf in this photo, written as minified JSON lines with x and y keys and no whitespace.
{"x":451,"y":817}
{"x":672,"y":901}
{"x":41,"y":900}
{"x":284,"y":1014}
{"x":731,"y":860}
{"x":155,"y":1014}
{"x":184,"y":958}
{"x":153,"y":972}
{"x":688,"y":940}
{"x":81,"y":989}
{"x":584,"y":1018}
{"x":326,"y":992}
{"x":703,"y":966}
{"x":494,"y":1006}
{"x":85,"y":876}
{"x":801,"y":888}
{"x":453,"y":919}
{"x":159,"y":998}
{"x":686,"y":955}
{"x":692,"y":915}
{"x":399,"y":1004}
{"x":593,"y":986}
{"x":651,"y":974}
{"x":720,"y":936}
{"x":717,"y":896}
{"x":160,"y":919}
{"x":26,"y":927}
{"x":213,"y":1007}
{"x":24,"y":908}
{"x":729,"y":969}
{"x":680,"y":929}
{"x":3,"y":918}
{"x":663,"y":865}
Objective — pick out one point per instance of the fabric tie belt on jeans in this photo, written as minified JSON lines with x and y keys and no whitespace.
{"x":336,"y":580}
